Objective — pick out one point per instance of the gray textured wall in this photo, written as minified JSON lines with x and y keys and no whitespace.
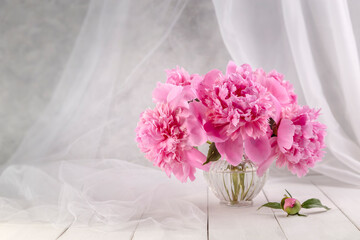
{"x":36,"y":39}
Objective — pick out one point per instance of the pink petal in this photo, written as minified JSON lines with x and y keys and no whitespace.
{"x":231,"y":151}
{"x":196,"y":159}
{"x":161,"y":92}
{"x":231,"y":68}
{"x":289,"y":202}
{"x":301,"y":120}
{"x":213,"y":132}
{"x":198,"y":110}
{"x":178,"y":173}
{"x":281,"y":161}
{"x":276,"y":89}
{"x":176,"y":98}
{"x":189,"y":93}
{"x":277,"y":109}
{"x":207,"y":83}
{"x":257,"y":150}
{"x":192,"y":174}
{"x":285,"y":134}
{"x":211,"y":77}
{"x":308,"y":131}
{"x":197,"y":134}
{"x":196,"y":80}
{"x":265,"y":165}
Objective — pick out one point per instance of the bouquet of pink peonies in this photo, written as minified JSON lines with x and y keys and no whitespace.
{"x":242,"y":112}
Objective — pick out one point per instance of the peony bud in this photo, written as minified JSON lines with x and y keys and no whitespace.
{"x":283,"y":202}
{"x":291,"y":206}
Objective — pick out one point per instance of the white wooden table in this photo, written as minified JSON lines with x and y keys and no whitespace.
{"x":341,"y":222}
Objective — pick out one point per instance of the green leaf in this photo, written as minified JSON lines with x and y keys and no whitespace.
{"x":313,"y":203}
{"x":213,"y":154}
{"x":274,"y":205}
{"x":288,"y":193}
{"x":273,"y":127}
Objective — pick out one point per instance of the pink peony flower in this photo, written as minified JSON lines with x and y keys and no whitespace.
{"x":168,"y":133}
{"x":178,"y":80}
{"x":300,"y":139}
{"x":236,"y":108}
{"x":292,"y":97}
{"x":178,"y":76}
{"x":274,"y":83}
{"x":167,"y":136}
{"x":175,"y":95}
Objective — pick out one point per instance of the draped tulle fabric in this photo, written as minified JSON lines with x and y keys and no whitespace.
{"x":315,"y":44}
{"x":79,"y":163}
{"x":108,"y":192}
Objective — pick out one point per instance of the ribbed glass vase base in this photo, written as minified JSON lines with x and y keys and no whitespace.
{"x":238,"y":203}
{"x":235,"y":185}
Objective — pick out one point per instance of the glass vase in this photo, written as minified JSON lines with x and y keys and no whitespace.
{"x":235,"y":185}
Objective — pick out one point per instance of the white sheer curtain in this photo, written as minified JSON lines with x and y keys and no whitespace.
{"x":315,"y":44}
{"x":79,"y":163}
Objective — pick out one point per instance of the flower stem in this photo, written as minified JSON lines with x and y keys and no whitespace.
{"x":251,"y":183}
{"x":242,"y":185}
{"x":226,"y":189}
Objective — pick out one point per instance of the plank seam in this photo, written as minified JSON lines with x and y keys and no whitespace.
{"x":65,"y":230}
{"x":137,"y":225}
{"x":335,"y":205}
{"x":282,"y":230}
{"x":207,"y":214}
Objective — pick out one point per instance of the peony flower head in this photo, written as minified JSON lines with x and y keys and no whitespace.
{"x":274,"y":83}
{"x":178,"y":81}
{"x":167,"y":135}
{"x":291,"y":96}
{"x":236,"y":106}
{"x":300,"y":139}
{"x":178,"y":76}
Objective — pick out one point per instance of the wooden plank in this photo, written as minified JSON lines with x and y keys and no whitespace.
{"x":38,"y":231}
{"x":156,"y":233}
{"x":95,"y":233}
{"x":319,"y":224}
{"x":149,"y":230}
{"x":242,"y":222}
{"x":346,"y":197}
